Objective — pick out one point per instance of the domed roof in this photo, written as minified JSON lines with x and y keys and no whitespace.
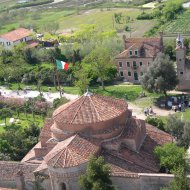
{"x":70,"y":152}
{"x":89,"y":108}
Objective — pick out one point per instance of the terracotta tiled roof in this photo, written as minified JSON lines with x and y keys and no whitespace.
{"x":46,"y":132}
{"x":147,"y":47}
{"x":154,"y":41}
{"x":89,"y":109}
{"x":144,"y":161}
{"x":9,"y":169}
{"x":31,"y":154}
{"x":31,"y":44}
{"x":70,"y":152}
{"x":16,"y":34}
{"x":6,"y":189}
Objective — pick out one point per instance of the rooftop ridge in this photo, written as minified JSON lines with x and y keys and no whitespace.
{"x":95,"y":109}
{"x":78,"y":110}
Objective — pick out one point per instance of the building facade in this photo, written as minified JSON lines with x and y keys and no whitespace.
{"x":183,"y":65}
{"x":138,"y":55}
{"x":10,"y":39}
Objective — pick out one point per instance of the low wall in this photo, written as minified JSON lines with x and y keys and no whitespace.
{"x":142,"y":181}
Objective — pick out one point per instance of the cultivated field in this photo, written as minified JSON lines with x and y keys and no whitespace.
{"x":69,"y":19}
{"x":180,"y":25}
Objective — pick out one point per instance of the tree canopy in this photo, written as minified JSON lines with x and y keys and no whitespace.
{"x":97,"y":176}
{"x":160,"y":76}
{"x":170,"y":156}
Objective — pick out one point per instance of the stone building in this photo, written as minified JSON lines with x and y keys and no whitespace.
{"x":183,"y":65}
{"x":138,"y":54}
{"x":90,"y":125}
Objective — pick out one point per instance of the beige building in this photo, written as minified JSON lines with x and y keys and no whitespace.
{"x":139,"y":53}
{"x":183,"y":65}
{"x":90,"y":125}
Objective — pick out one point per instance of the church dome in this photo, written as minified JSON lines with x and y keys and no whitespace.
{"x":90,"y":114}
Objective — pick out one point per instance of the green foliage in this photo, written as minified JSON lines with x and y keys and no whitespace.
{"x":170,"y":50}
{"x":59,"y":101}
{"x":97,"y":176}
{"x":170,"y":156}
{"x":171,"y":9}
{"x":179,"y":129}
{"x":161,"y":75}
{"x":174,"y":126}
{"x":155,"y":121}
{"x":101,"y":63}
{"x":4,"y":113}
{"x":180,"y":181}
{"x":15,"y":142}
{"x":83,"y":77}
{"x":145,"y":16}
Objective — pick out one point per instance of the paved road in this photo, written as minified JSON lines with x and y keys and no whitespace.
{"x":49,"y":96}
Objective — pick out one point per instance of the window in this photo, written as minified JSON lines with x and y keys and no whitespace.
{"x":120,"y":64}
{"x":148,"y":63}
{"x":129,"y":73}
{"x":141,"y":73}
{"x":8,"y":43}
{"x":130,"y":52}
{"x":134,"y":63}
{"x":121,"y":73}
{"x":128,"y":64}
{"x":179,"y":59}
{"x":136,"y":52}
{"x":140,"y":63}
{"x":181,"y":73}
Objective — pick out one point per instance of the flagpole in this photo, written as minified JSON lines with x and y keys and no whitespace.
{"x":58,"y":79}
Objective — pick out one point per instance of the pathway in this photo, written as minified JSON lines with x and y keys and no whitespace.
{"x":139,"y":112}
{"x":49,"y":96}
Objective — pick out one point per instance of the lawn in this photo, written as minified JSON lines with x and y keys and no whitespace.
{"x":24,"y":121}
{"x":68,"y":19}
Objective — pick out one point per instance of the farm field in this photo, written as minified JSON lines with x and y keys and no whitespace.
{"x":181,"y":24}
{"x":68,"y":19}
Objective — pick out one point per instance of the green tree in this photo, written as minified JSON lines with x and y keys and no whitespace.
{"x":83,"y":77}
{"x":174,"y":126}
{"x":101,"y":63}
{"x":97,"y":176}
{"x":180,"y":180}
{"x":170,"y":156}
{"x":160,"y":76}
{"x":4,"y":113}
{"x":171,"y":9}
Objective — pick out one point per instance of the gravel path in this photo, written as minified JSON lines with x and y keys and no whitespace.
{"x":139,"y":112}
{"x":49,"y":96}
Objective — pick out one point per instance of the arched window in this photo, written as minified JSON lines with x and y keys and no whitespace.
{"x":63,"y":186}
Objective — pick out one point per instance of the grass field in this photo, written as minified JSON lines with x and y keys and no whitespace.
{"x":68,"y":19}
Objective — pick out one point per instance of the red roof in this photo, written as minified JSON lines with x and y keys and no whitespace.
{"x":89,"y":109}
{"x":70,"y":152}
{"x":147,"y":47}
{"x":16,"y":34}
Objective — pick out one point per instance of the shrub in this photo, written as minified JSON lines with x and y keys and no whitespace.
{"x":157,"y":122}
{"x":145,"y":16}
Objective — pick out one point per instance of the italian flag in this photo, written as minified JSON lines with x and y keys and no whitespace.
{"x":61,"y":65}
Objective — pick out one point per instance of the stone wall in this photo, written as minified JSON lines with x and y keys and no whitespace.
{"x":142,"y":182}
